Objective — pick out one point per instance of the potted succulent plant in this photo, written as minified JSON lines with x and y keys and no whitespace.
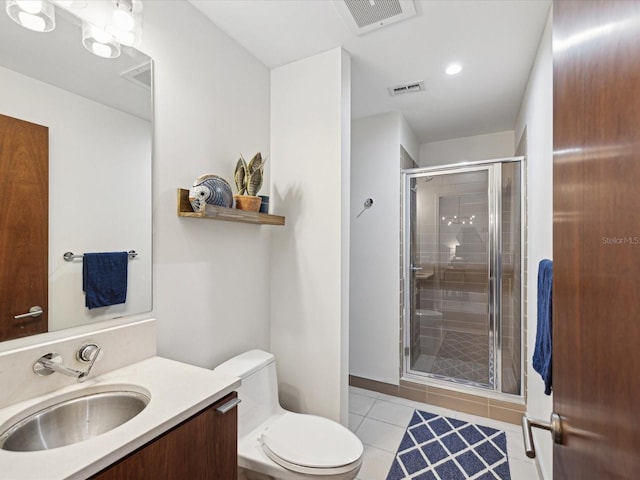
{"x":248,"y":179}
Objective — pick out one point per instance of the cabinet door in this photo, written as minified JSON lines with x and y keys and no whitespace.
{"x":204,"y":447}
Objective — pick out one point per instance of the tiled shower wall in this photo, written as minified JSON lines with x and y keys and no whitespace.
{"x":459,"y":294}
{"x":512,"y":277}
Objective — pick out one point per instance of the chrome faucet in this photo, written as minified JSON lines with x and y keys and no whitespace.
{"x":52,"y":362}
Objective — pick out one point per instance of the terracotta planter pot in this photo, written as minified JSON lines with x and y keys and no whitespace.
{"x":248,"y":203}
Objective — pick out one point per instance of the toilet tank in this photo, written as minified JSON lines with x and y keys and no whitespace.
{"x":258,"y":390}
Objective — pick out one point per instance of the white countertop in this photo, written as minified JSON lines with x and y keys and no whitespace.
{"x":177,"y":392}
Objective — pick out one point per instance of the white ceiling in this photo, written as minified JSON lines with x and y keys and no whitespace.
{"x":495,"y":41}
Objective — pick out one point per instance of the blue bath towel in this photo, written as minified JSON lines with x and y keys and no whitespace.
{"x":543,"y":348}
{"x":104,"y":278}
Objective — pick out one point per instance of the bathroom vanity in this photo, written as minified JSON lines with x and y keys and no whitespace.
{"x":188,"y":428}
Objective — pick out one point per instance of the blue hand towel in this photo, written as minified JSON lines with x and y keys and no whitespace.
{"x":543,"y":348}
{"x":104,"y":278}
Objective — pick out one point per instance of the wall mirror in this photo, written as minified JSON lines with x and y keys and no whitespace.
{"x":99,"y":117}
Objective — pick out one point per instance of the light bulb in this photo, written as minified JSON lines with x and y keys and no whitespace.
{"x":101,"y":49}
{"x":99,"y":42}
{"x":123,"y":19}
{"x":32,"y":22}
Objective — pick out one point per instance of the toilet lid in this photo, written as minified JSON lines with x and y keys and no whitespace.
{"x":311,"y":441}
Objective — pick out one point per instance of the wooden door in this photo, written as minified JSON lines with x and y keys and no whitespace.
{"x":24,"y":226}
{"x":596,"y":238}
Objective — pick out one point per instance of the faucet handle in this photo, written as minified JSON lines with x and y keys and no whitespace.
{"x":83,"y":375}
{"x":88,"y":353}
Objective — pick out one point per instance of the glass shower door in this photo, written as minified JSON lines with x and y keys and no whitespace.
{"x":450,"y":314}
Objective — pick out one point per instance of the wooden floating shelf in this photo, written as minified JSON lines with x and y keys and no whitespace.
{"x":225,"y":214}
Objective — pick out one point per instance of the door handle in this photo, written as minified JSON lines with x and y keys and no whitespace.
{"x":33,"y":312}
{"x":230,"y":405}
{"x":554,"y":425}
{"x":415,"y":269}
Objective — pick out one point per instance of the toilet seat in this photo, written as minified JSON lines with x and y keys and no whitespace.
{"x":311,"y":444}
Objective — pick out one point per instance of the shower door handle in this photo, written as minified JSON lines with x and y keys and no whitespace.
{"x":415,"y":269}
{"x":554,"y":426}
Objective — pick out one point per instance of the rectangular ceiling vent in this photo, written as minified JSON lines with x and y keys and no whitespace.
{"x":406,"y":88}
{"x":140,"y":75}
{"x":363,"y":16}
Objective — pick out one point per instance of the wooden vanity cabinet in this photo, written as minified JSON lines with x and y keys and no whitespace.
{"x":203,"y":447}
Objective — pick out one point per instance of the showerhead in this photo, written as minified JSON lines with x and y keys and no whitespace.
{"x":414,"y":189}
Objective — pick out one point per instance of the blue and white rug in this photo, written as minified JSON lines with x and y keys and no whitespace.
{"x":442,"y":448}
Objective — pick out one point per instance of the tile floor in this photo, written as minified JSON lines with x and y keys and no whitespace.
{"x":380,"y":421}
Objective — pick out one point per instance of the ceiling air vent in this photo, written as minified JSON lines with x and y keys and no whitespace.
{"x":406,"y":88}
{"x":363,"y":16}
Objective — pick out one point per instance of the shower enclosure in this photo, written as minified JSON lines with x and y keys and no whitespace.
{"x":462,"y":266}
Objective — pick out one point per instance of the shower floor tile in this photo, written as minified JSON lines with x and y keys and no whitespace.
{"x":462,"y":355}
{"x":424,"y":363}
{"x":463,"y":346}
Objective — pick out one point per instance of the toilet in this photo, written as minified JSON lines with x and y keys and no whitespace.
{"x":274,"y":443}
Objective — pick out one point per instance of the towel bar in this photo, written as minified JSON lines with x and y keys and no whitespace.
{"x":69,"y":256}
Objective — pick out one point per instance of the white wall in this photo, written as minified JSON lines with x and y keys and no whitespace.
{"x":465,"y":149}
{"x":345,"y":236}
{"x":309,"y":145}
{"x":86,"y":212}
{"x":409,"y":140}
{"x":375,"y":245}
{"x":211,"y":278}
{"x":536,"y":114}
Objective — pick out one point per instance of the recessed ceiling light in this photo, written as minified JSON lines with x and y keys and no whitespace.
{"x":453,"y":69}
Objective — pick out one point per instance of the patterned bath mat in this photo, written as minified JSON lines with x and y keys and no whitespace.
{"x":442,"y":448}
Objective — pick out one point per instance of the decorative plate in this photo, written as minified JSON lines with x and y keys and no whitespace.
{"x":211,"y":189}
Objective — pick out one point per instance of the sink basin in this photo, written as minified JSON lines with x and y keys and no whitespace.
{"x":72,"y":421}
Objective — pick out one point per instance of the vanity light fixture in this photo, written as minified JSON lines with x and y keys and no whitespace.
{"x":453,"y":69}
{"x":108,"y":24}
{"x":36,"y":15}
{"x":126,"y":25}
{"x":99,"y":41}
